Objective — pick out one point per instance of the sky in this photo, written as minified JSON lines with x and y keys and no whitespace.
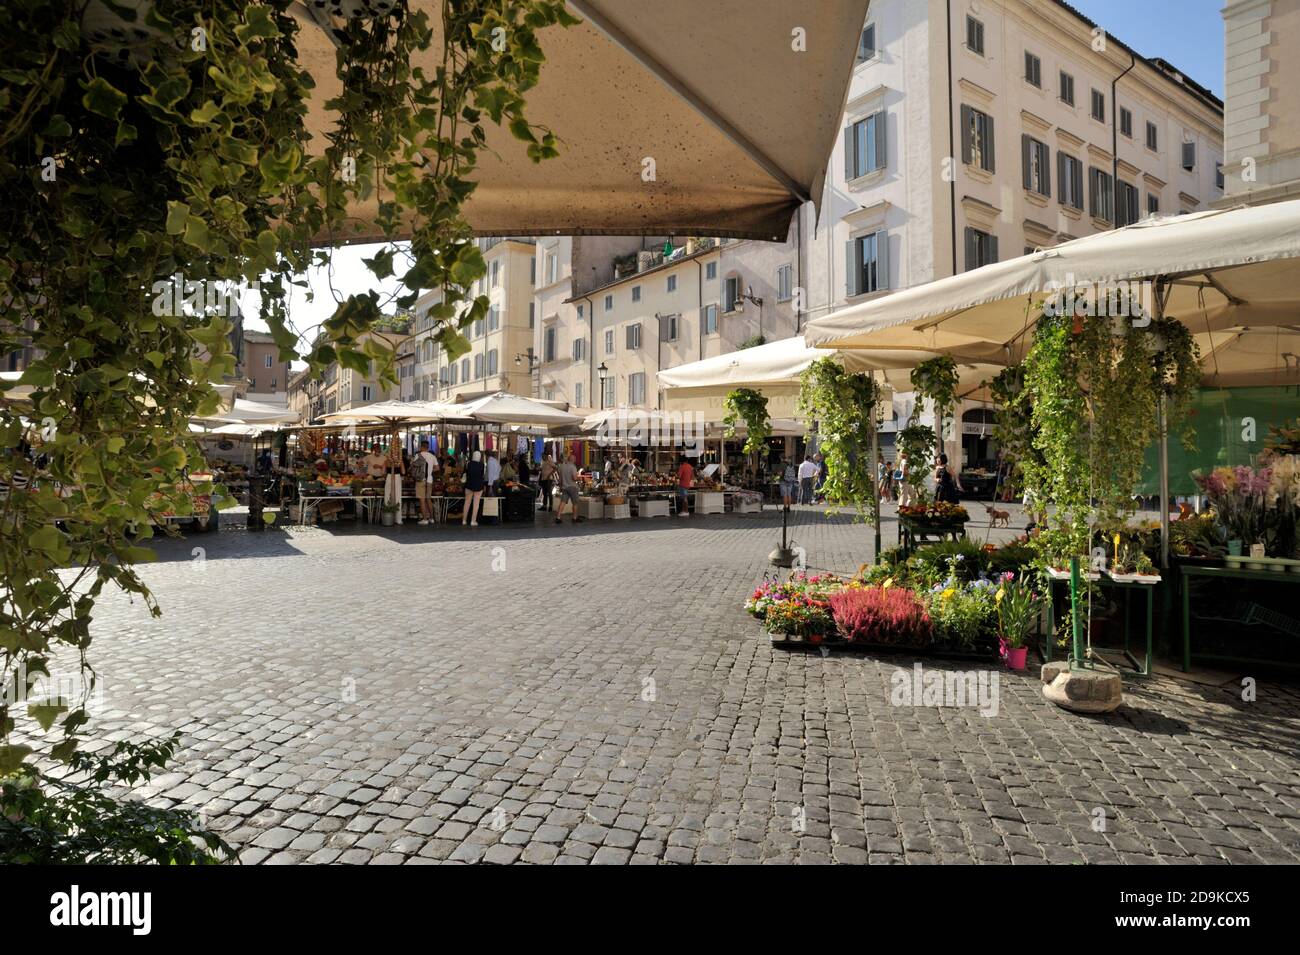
{"x":1187,"y":33}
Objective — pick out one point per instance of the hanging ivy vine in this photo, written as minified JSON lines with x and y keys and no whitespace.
{"x":133,"y":177}
{"x":748,"y":406}
{"x":1093,"y":386}
{"x":843,"y":404}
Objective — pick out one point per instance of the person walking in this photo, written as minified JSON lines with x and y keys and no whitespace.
{"x":807,"y":471}
{"x":568,"y":473}
{"x":685,"y":481}
{"x":789,"y":482}
{"x":475,"y":481}
{"x":906,"y":493}
{"x":424,"y":470}
{"x":546,"y":478}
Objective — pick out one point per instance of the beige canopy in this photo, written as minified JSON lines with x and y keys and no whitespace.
{"x":1251,"y":357}
{"x":503,"y":408}
{"x":774,"y":369}
{"x":397,"y":412}
{"x":1225,"y":269}
{"x":674,"y":117}
{"x":243,"y":411}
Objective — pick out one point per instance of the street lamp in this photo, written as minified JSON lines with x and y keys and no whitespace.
{"x":533,"y":361}
{"x":603,"y":373}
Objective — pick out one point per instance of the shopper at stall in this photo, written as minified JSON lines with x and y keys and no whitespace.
{"x":946,"y":488}
{"x":568,"y":473}
{"x":394,"y":471}
{"x":493,"y":472}
{"x":822,"y":471}
{"x":906,"y":493}
{"x":546,"y":478}
{"x":424,"y":470}
{"x":685,"y":481}
{"x":475,"y":481}
{"x":376,"y":463}
{"x":807,"y":471}
{"x":525,"y":472}
{"x":508,"y":473}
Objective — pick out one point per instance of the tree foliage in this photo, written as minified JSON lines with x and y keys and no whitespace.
{"x":174,"y":148}
{"x":747,"y":405}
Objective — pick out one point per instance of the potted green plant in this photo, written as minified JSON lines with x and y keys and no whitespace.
{"x":388,"y":514}
{"x":1019,"y":605}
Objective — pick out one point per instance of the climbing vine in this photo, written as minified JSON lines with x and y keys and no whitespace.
{"x":844,"y":405}
{"x":1093,"y":386}
{"x":747,"y":405}
{"x":154,"y":163}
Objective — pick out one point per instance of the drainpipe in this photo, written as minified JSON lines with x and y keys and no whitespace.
{"x":1114,"y":140}
{"x":591,"y":328}
{"x":952,"y":154}
{"x":699,"y":298}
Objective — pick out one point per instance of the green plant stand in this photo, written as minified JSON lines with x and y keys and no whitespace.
{"x":1140,"y":669}
{"x":913,"y":534}
{"x":1189,"y":571}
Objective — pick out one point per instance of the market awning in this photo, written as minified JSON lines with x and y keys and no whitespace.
{"x":1258,"y":356}
{"x":243,"y":411}
{"x":504,"y":408}
{"x":774,"y":369}
{"x":397,"y":412}
{"x":1238,"y":267}
{"x":674,"y":117}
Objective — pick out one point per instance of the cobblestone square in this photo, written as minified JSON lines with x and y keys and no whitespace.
{"x":596,"y":694}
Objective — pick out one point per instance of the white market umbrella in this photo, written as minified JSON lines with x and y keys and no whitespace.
{"x":775,"y":369}
{"x":1221,"y":269}
{"x":243,"y":411}
{"x":504,"y":408}
{"x":736,"y":104}
{"x":397,"y":413}
{"x":1254,"y":356}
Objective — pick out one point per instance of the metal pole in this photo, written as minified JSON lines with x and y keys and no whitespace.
{"x":1162,"y":417}
{"x":1076,"y":654}
{"x":875,"y":470}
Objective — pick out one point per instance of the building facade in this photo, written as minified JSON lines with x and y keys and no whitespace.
{"x":1262,"y":101}
{"x":266,"y":375}
{"x":1010,"y":126}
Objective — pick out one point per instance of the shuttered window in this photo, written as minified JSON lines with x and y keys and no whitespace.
{"x":864,"y":146}
{"x":1036,"y":161}
{"x":709,"y":319}
{"x":981,"y":248}
{"x":634,"y":335}
{"x":1069,"y":174}
{"x":1189,"y":156}
{"x":1033,"y":70}
{"x":867,"y":265}
{"x":977,"y":139}
{"x":867,"y":43}
{"x":974,"y":36}
{"x":1101,"y":196}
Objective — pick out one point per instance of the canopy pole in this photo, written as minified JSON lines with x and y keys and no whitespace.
{"x":1162,"y":417}
{"x":875,"y":471}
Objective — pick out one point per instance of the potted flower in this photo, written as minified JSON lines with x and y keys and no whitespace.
{"x":1018,"y":609}
{"x":388,"y":515}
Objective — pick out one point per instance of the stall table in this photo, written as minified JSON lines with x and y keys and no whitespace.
{"x":1143,"y":668}
{"x":710,"y":502}
{"x":912,"y":533}
{"x":1225,"y":573}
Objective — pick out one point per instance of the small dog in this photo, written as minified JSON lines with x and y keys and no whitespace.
{"x":997,"y":517}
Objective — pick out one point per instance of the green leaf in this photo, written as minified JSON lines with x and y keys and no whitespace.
{"x":258,"y":24}
{"x":58,"y":127}
{"x":46,"y":713}
{"x":47,"y":540}
{"x":103,"y":98}
{"x":178,"y":214}
{"x":197,"y":234}
{"x":11,"y":758}
{"x":205,"y":113}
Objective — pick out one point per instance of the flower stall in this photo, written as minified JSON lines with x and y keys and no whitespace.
{"x":934,"y":521}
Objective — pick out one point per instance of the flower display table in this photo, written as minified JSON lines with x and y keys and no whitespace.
{"x":1145,"y":588}
{"x":1256,"y":614}
{"x":914,"y":533}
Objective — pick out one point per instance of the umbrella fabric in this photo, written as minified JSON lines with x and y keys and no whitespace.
{"x":504,"y":408}
{"x":651,"y":142}
{"x":387,"y":412}
{"x":243,"y":411}
{"x":1229,"y":268}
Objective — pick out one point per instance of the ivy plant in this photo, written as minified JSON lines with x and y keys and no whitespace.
{"x":844,"y":406}
{"x":747,"y":405}
{"x":139,"y":184}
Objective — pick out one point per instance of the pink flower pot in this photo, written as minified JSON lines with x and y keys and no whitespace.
{"x":1016,"y":657}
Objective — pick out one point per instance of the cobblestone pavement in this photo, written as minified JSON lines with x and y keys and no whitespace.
{"x":595,"y":694}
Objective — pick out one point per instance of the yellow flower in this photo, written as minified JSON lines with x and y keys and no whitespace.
{"x":947,"y":594}
{"x":889,"y":582}
{"x":1002,"y":592}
